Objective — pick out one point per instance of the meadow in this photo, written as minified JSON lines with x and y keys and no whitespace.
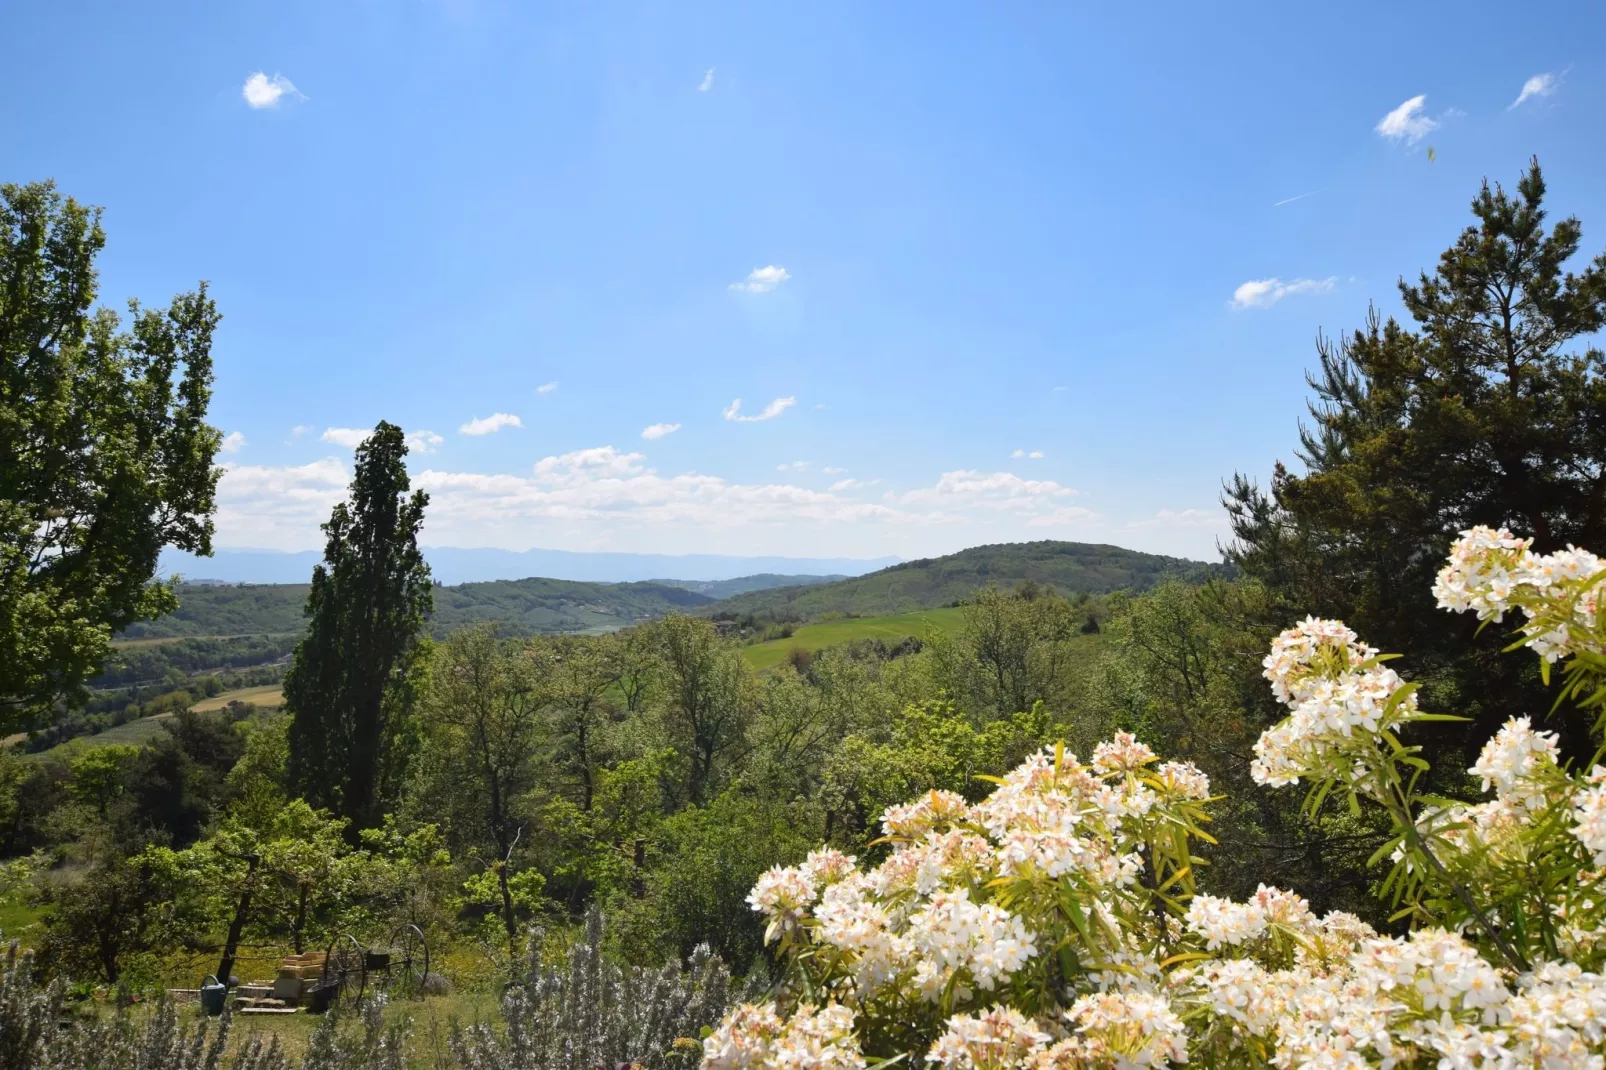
{"x":890,"y":630}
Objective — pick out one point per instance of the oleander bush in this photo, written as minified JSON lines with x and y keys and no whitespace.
{"x":1055,"y":922}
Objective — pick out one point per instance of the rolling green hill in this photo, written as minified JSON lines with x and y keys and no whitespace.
{"x":942,"y":581}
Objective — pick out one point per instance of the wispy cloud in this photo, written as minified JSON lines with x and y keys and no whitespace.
{"x":1035,"y":455}
{"x":793,"y":466}
{"x":1182,"y":518}
{"x":1407,"y":122}
{"x":988,"y":490}
{"x":707,"y":83}
{"x":733,"y":411}
{"x":260,"y":91}
{"x":1263,"y":293}
{"x":349,"y":437}
{"x":659,"y":431}
{"x":233,"y":442}
{"x":489,"y":425}
{"x":762,"y":280}
{"x":300,"y":429}
{"x":424,"y":441}
{"x":1291,"y":200}
{"x":833,"y":471}
{"x":1540,"y":85}
{"x":852,"y":484}
{"x":547,"y":388}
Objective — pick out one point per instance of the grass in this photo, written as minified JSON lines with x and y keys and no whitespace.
{"x":20,"y":921}
{"x":129,"y":733}
{"x":266,"y":695}
{"x":811,"y":637}
{"x":432,"y":1020}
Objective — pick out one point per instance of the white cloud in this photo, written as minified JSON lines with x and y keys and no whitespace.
{"x":733,"y":411}
{"x":278,"y":507}
{"x":795,"y":466}
{"x":1291,"y":200}
{"x":1263,"y":293}
{"x":489,"y":425}
{"x":300,"y":429}
{"x":1035,"y":455}
{"x":547,"y":388}
{"x":260,"y":91}
{"x":583,"y":463}
{"x":1182,"y":518}
{"x":1064,"y":516}
{"x":988,"y":490}
{"x":659,"y":431}
{"x":832,"y":471}
{"x":707,"y":83}
{"x":423,"y":441}
{"x":1407,"y":122}
{"x":762,"y":280}
{"x":605,"y":496}
{"x":1540,"y":85}
{"x":233,"y":442}
{"x":1017,"y":453}
{"x":349,"y":437}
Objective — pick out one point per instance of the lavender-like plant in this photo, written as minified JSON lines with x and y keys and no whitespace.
{"x":594,"y":1013}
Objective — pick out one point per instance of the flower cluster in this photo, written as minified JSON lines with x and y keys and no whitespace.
{"x":1492,"y":572}
{"x":754,"y":1036}
{"x":1338,"y":695}
{"x":1512,"y":763}
{"x":1589,"y":814}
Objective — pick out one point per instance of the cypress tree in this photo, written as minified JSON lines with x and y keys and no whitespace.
{"x":353,"y":681}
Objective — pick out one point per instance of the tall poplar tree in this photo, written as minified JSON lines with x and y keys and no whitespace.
{"x":354,"y":679}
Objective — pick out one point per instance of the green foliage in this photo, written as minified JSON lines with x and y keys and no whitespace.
{"x":105,"y":455}
{"x":708,"y":710}
{"x":703,"y":861}
{"x":352,"y":685}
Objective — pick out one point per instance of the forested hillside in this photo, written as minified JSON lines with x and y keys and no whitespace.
{"x":545,"y":607}
{"x":522,"y":607}
{"x":1068,"y":567}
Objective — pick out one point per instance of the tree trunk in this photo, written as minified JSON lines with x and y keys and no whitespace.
{"x":301,"y":915}
{"x":242,"y":910}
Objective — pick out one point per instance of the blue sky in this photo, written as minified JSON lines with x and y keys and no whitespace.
{"x":982,"y":267}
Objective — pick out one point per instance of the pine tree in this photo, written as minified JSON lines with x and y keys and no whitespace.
{"x":1478,"y":416}
{"x":353,"y":682}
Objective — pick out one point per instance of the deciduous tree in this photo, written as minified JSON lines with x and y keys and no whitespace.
{"x":105,"y":453}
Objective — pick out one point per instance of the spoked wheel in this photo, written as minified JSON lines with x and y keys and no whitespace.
{"x":346,"y":968}
{"x":409,"y":962}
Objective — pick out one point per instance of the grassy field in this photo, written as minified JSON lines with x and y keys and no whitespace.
{"x":813,"y":637}
{"x":266,"y":695}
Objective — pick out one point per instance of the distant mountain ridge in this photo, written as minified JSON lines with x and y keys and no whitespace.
{"x":454,"y":565}
{"x":1069,"y":567}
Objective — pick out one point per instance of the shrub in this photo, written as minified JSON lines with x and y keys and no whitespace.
{"x":1054,"y":923}
{"x":593,"y":1013}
